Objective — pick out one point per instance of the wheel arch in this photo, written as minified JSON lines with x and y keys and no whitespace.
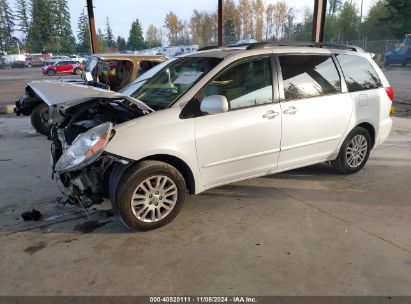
{"x":180,"y":165}
{"x":370,"y":129}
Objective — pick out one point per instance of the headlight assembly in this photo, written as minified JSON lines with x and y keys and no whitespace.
{"x":85,"y":149}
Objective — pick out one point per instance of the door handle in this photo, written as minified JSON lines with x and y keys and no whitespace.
{"x":270,"y":114}
{"x":290,"y":111}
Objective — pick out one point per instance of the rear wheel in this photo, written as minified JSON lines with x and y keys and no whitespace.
{"x":39,"y":119}
{"x":51,"y":72}
{"x":354,"y":152}
{"x":150,"y":195}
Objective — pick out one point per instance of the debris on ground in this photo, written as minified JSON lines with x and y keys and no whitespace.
{"x":33,"y":215}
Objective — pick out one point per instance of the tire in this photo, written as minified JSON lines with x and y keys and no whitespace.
{"x":39,"y":117}
{"x":51,"y":72}
{"x":77,"y":71}
{"x":358,"y":140}
{"x":151,"y":209}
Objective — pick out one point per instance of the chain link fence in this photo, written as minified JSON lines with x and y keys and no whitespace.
{"x":378,"y":47}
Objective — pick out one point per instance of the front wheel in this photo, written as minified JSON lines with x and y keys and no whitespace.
{"x":150,"y":195}
{"x":354,"y":152}
{"x":51,"y":72}
{"x":77,"y":71}
{"x":39,"y":119}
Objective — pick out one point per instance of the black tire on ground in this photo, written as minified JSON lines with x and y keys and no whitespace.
{"x":51,"y":72}
{"x":39,"y":117}
{"x":341,"y":162}
{"x":128,"y":185}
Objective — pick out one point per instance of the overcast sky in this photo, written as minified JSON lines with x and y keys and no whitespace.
{"x":122,"y":12}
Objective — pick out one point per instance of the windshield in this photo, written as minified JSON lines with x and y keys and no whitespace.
{"x":136,"y":84}
{"x":173,"y":80}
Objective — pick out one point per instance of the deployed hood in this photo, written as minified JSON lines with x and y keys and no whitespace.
{"x":68,"y":94}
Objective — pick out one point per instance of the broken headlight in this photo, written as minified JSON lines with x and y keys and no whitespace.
{"x":86,"y":148}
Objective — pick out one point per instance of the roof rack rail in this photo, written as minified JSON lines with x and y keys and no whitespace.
{"x":259,"y":45}
{"x":209,"y":47}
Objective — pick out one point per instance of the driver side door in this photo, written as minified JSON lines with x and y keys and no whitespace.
{"x":245,"y":141}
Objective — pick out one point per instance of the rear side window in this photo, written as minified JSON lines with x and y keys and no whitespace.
{"x":359,"y":73}
{"x":307,"y":76}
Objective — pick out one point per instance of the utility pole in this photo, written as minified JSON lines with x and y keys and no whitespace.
{"x":320,"y":7}
{"x":93,"y":35}
{"x":220,"y":23}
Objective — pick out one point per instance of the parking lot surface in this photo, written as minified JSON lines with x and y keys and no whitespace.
{"x":305,"y":232}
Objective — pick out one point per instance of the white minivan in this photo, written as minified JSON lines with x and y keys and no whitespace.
{"x":216,"y":117}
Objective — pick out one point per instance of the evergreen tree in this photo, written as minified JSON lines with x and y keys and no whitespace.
{"x":109,"y":35}
{"x":62,"y":27}
{"x":83,"y":36}
{"x":135,"y":38}
{"x":121,"y":43}
{"x":41,"y":35}
{"x":101,"y":40}
{"x":7,"y":41}
{"x":229,"y":33}
{"x":22,"y":17}
{"x":399,"y":18}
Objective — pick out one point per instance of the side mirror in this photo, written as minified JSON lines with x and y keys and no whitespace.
{"x":214,"y":104}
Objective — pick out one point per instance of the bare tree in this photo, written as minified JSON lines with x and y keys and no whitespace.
{"x":258,"y":8}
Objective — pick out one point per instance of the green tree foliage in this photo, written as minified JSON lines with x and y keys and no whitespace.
{"x":135,"y":38}
{"x":63,"y":34}
{"x":374,"y":26}
{"x":7,"y":41}
{"x":101,"y":40}
{"x":348,"y":21}
{"x":303,"y":30}
{"x":22,"y":17}
{"x":229,"y":33}
{"x":109,"y":35}
{"x":399,"y":16}
{"x":41,"y":34}
{"x":83,"y":34}
{"x":121,"y":43}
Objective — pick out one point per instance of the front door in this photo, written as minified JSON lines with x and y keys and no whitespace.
{"x":245,"y":141}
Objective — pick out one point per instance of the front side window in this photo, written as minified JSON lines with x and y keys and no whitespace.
{"x":359,"y":73}
{"x":171,"y":82}
{"x":307,"y":76}
{"x":245,"y":84}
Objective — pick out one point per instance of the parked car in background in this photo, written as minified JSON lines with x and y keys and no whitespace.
{"x":213,"y":118}
{"x":401,"y":55}
{"x":77,"y":58}
{"x":106,"y":71}
{"x":36,"y":60}
{"x":68,"y":67}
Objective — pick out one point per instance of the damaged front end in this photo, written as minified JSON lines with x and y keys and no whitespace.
{"x":83,"y":171}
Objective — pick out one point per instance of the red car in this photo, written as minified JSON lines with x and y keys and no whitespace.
{"x":63,"y":67}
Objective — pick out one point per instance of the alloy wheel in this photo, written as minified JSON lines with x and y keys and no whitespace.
{"x":154,"y":198}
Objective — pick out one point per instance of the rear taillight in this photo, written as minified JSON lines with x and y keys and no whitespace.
{"x":390,"y":93}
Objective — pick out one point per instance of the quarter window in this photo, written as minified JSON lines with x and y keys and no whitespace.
{"x":359,"y":73}
{"x":309,"y":76}
{"x":245,"y":84}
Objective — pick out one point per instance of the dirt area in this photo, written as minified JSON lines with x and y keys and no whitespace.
{"x":13,"y":82}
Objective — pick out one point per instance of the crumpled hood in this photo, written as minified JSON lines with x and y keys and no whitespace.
{"x":66,"y":94}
